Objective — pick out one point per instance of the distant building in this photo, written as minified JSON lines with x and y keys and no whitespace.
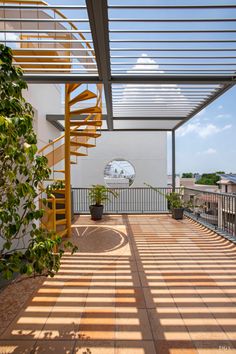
{"x":117,"y":182}
{"x":227,"y":183}
{"x":107,"y":170}
{"x":191,"y":183}
{"x":187,"y":182}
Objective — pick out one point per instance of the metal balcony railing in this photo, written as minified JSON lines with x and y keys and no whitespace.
{"x":216,"y":210}
{"x":129,"y":200}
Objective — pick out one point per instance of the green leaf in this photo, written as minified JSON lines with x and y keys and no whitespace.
{"x":7,"y":274}
{"x":7,"y":245}
{"x":22,"y":172}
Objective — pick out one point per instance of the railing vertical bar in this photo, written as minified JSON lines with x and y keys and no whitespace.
{"x":84,"y":199}
{"x":81,"y":200}
{"x":151,"y":200}
{"x":223,"y":213}
{"x":234,"y":215}
{"x":159,"y":200}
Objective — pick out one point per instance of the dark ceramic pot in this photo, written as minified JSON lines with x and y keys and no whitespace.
{"x":96,"y":212}
{"x":177,"y":213}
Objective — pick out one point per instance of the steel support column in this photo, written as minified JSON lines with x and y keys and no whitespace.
{"x":173,"y":161}
{"x":67,"y":162}
{"x":98,"y":18}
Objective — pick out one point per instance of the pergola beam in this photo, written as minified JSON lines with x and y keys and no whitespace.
{"x":55,"y":120}
{"x":132,"y":79}
{"x":57,"y":125}
{"x":60,"y":79}
{"x":172,"y":7}
{"x":60,"y":117}
{"x":98,"y":18}
{"x":172,"y":79}
{"x":62,"y":129}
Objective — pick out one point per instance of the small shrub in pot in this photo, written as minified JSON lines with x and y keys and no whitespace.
{"x":98,"y":195}
{"x":175,"y":202}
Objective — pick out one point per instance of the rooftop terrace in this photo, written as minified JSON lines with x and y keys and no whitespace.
{"x":139,"y":284}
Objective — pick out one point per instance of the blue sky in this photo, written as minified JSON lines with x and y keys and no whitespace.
{"x":207,"y":143}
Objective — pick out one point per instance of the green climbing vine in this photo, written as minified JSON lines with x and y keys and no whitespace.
{"x":26,"y":248}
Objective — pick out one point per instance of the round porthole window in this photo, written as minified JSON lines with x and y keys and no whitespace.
{"x":119,"y":173}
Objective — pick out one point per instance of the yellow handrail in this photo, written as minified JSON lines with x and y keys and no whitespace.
{"x":99,"y":103}
{"x":60,"y":137}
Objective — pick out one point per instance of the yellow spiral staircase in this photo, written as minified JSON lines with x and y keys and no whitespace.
{"x":80,"y":102}
{"x":79,"y":137}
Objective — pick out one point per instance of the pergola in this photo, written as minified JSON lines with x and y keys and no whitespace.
{"x":160,"y":64}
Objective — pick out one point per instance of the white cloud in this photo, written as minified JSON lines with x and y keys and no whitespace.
{"x":224,"y":115}
{"x":209,"y":129}
{"x":209,"y":151}
{"x":201,"y":130}
{"x":227,"y":126}
{"x":142,"y":66}
{"x":220,"y":106}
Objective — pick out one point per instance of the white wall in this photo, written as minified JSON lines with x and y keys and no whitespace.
{"x":146,"y":151}
{"x":45,"y":99}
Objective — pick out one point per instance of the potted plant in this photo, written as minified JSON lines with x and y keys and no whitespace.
{"x":98,"y":195}
{"x":176,"y":205}
{"x":175,"y":202}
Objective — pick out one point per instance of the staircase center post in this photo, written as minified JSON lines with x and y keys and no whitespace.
{"x":67,"y":161}
{"x":173,"y":162}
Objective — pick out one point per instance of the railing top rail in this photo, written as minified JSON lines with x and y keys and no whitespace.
{"x":51,"y":143}
{"x":128,"y":188}
{"x":209,"y":192}
{"x":165,"y":188}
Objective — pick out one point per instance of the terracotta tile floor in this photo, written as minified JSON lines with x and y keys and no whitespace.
{"x":139,"y":284}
